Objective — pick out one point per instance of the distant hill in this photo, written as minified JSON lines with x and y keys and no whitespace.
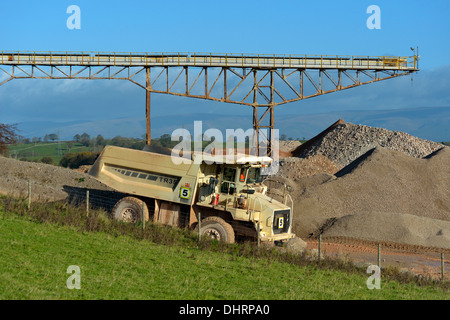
{"x":426,"y":123}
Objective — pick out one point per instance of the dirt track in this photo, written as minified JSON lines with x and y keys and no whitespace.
{"x":419,"y":260}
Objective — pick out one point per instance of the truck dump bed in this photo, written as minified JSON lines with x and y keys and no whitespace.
{"x":146,"y":174}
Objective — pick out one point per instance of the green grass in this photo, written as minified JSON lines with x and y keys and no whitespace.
{"x":119,"y":261}
{"x":36,"y":151}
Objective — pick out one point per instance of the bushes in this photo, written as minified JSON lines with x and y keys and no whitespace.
{"x":48,"y":160}
{"x":75,"y":160}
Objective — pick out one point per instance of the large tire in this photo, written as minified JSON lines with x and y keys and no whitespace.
{"x":218,"y":229}
{"x":129,"y":209}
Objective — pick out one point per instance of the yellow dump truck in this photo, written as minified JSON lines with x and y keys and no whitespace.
{"x":228,"y":197}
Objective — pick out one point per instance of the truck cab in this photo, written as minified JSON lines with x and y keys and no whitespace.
{"x":237,"y":189}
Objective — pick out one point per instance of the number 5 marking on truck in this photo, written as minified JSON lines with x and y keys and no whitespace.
{"x":280,"y":223}
{"x":185,"y":193}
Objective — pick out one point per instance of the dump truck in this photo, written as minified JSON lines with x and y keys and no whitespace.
{"x":228,"y":198}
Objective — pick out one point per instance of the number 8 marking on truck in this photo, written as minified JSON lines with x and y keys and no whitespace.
{"x":185,"y":193}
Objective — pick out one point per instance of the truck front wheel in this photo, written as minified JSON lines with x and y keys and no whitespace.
{"x":217,"y":228}
{"x":130,"y":209}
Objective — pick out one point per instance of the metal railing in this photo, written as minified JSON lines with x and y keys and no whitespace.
{"x":203,"y":59}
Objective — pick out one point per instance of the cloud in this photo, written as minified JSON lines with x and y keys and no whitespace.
{"x":429,"y":88}
{"x":68,"y":100}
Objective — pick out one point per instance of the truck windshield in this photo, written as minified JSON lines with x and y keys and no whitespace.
{"x":229,"y":174}
{"x":254,"y":175}
{"x":228,"y":180}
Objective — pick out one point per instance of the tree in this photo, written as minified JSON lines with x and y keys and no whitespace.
{"x":85,"y":136}
{"x":166,"y":140}
{"x":53,"y":136}
{"x":77,"y":138}
{"x":36,"y":139}
{"x":100,"y":140}
{"x":85,"y":139}
{"x":70,"y":144}
{"x":8,"y":135}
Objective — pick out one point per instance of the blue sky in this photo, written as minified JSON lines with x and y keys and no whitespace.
{"x":281,"y":27}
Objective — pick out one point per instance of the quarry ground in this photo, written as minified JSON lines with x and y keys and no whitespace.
{"x":424,"y":261}
{"x":356,"y":186}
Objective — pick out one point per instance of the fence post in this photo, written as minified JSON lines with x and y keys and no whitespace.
{"x":29,"y":194}
{"x":199,"y":225}
{"x":87,"y":203}
{"x":259,"y":228}
{"x":379,"y":255}
{"x":320,"y":247}
{"x":143,"y":215}
{"x":442,"y":266}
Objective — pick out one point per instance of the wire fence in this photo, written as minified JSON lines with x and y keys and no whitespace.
{"x":86,"y":201}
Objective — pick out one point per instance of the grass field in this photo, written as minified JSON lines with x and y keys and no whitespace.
{"x":36,"y":253}
{"x":36,"y":151}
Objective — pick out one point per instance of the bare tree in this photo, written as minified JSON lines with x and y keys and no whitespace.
{"x":8,"y":135}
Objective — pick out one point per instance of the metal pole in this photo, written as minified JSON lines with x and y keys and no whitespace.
{"x":379,"y":255}
{"x":29,"y":194}
{"x":147,"y":107}
{"x":87,"y":203}
{"x":199,"y":225}
{"x":320,"y":246}
{"x":143,"y":215}
{"x":442,"y":266}
{"x":259,"y":228}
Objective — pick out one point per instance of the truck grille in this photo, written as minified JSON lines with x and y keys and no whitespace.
{"x":281,"y":221}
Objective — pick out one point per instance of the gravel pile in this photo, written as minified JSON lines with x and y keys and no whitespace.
{"x":401,"y":228}
{"x":289,"y":145}
{"x":347,"y":142}
{"x":294,"y":168}
{"x":387,"y":185}
{"x":48,"y":183}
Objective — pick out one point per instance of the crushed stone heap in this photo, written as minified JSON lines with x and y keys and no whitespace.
{"x":388,"y":183}
{"x":345,"y":142}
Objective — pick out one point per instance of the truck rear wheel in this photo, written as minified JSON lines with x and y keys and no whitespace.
{"x":129,"y":209}
{"x":218,"y":229}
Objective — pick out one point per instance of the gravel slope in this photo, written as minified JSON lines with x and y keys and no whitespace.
{"x":48,"y":183}
{"x":396,"y":227}
{"x":384,"y":182}
{"x":355,"y":181}
{"x":346,"y":142}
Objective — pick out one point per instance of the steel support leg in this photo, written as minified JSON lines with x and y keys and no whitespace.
{"x":147,"y":108}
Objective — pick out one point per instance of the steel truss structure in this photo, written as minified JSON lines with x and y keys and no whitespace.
{"x":258,"y":81}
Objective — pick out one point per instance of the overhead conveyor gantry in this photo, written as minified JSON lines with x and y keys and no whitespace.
{"x":261,"y":81}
